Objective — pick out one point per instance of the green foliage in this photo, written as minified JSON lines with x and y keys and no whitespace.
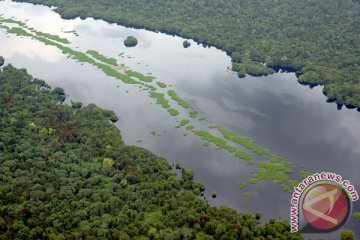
{"x":10,"y":20}
{"x":161,"y":84}
{"x":66,"y":174}
{"x":102,"y":58}
{"x":108,"y":162}
{"x":190,"y":127}
{"x":140,"y":76}
{"x":1,"y":61}
{"x":193,"y":114}
{"x":251,"y":68}
{"x":76,"y":105}
{"x":173,"y":112}
{"x":79,"y":181}
{"x":184,"y":122}
{"x":177,"y":99}
{"x":202,"y":119}
{"x":304,"y":174}
{"x":247,"y":194}
{"x":347,"y":235}
{"x":242,"y":185}
{"x":213,"y":194}
{"x":52,"y":37}
{"x":246,"y":156}
{"x":130,"y":41}
{"x":318,"y":39}
{"x":356,"y":215}
{"x":160,"y":99}
{"x":276,"y":170}
{"x":79,"y":56}
{"x":244,"y":141}
{"x":220,"y":143}
{"x":19,"y":31}
{"x":187,"y":175}
{"x":186,"y":44}
{"x":59,"y":93}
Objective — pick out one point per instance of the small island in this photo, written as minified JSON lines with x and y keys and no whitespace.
{"x":186,"y":44}
{"x":130,"y":41}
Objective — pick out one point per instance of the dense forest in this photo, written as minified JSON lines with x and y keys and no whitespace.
{"x":319,"y":39}
{"x":66,"y":174}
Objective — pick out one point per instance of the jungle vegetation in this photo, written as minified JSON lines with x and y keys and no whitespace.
{"x":130,"y":41}
{"x":318,"y":39}
{"x":186,"y":44}
{"x":66,"y":174}
{"x":347,"y":235}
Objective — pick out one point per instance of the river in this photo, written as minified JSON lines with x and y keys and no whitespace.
{"x":290,"y":119}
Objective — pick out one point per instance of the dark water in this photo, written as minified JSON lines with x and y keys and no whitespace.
{"x":292,"y":120}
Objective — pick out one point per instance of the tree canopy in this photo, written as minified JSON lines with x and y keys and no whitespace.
{"x":66,"y":174}
{"x":347,"y":235}
{"x":130,"y":41}
{"x":319,"y":39}
{"x":186,"y":44}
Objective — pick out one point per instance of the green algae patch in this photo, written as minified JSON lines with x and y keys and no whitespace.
{"x":4,"y":27}
{"x":293,"y":183}
{"x":83,"y":58}
{"x":244,"y":141}
{"x":19,"y":32}
{"x":102,"y":58}
{"x":356,"y":215}
{"x":151,"y":88}
{"x":73,"y":32}
{"x":247,"y":194}
{"x":139,"y":76}
{"x":110,"y":71}
{"x":304,"y":174}
{"x":245,"y":156}
{"x":193,"y":114}
{"x":13,"y":21}
{"x":184,"y":122}
{"x":79,"y":56}
{"x":242,"y":185}
{"x":22,"y":32}
{"x":190,"y":127}
{"x":155,"y":133}
{"x":52,"y":37}
{"x":161,"y":84}
{"x":274,"y":170}
{"x":177,"y":99}
{"x":160,"y":99}
{"x":220,"y":143}
{"x":173,"y":112}
{"x":285,"y":188}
